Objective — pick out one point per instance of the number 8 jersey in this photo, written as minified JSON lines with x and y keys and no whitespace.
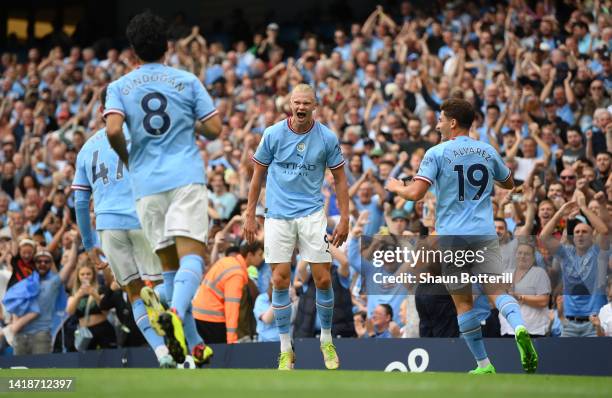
{"x":160,"y":105}
{"x":463,"y":172}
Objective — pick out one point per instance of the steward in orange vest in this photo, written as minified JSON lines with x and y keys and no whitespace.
{"x":216,"y":306}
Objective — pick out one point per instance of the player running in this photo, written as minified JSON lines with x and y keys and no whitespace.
{"x":99,"y":171}
{"x":295,"y":152}
{"x":463,"y":172}
{"x":163,"y":107}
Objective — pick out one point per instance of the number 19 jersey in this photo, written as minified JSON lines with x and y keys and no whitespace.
{"x":161,"y":105}
{"x":463,"y":172}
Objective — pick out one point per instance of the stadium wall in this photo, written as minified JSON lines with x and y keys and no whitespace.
{"x":566,"y":356}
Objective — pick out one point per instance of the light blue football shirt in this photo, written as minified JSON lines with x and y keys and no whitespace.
{"x":463,"y":172}
{"x":161,"y":105}
{"x":584,"y":279}
{"x":99,"y":170}
{"x":296,"y":167}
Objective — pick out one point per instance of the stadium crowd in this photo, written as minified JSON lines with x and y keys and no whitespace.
{"x":538,"y":76}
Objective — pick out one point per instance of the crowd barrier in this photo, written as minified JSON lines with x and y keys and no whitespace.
{"x":565,"y":356}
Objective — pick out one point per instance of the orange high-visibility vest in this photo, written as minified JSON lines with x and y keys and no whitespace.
{"x":218,"y":298}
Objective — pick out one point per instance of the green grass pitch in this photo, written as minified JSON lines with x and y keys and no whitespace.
{"x":150,"y":383}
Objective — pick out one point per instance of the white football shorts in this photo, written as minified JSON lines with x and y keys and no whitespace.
{"x":130,"y":256}
{"x":308,"y":234}
{"x":180,"y":212}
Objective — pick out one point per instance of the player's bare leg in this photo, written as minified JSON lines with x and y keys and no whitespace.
{"x":281,"y":303}
{"x":471,"y":331}
{"x":325,"y":309}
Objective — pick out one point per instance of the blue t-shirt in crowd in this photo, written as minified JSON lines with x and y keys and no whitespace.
{"x":50,"y":286}
{"x":264,"y":275}
{"x":296,"y":167}
{"x":392,"y":294}
{"x":565,"y":112}
{"x":375,"y":215}
{"x":161,"y":105}
{"x":375,"y":46}
{"x":584,"y":279}
{"x":345,"y":51}
{"x":385,"y":334}
{"x":265,"y":331}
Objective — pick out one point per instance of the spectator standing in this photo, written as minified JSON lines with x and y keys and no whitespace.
{"x":35,"y":337}
{"x":581,"y":264}
{"x":370,"y":197}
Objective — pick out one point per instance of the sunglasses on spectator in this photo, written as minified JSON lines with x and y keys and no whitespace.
{"x":43,"y":261}
{"x":597,"y":88}
{"x":568,"y":177}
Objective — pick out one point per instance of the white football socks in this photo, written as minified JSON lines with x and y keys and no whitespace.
{"x":285,"y":341}
{"x":483,"y":363}
{"x":326,"y":336}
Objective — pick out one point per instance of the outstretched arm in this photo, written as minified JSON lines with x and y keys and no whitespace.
{"x":70,"y":265}
{"x":368,"y":25}
{"x":511,"y":153}
{"x":414,"y":191}
{"x":546,"y":235}
{"x":355,"y":187}
{"x":549,"y":85}
{"x":599,"y":224}
{"x":379,"y":189}
{"x":534,"y":131}
{"x":569,"y":92}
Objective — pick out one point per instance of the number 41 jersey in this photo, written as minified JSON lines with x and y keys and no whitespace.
{"x":161,"y":105}
{"x":463,"y":172}
{"x":99,"y":170}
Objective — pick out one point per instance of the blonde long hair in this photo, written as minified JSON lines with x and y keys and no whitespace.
{"x":86,"y":263}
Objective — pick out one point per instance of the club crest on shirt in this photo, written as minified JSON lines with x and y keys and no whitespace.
{"x":301,"y":147}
